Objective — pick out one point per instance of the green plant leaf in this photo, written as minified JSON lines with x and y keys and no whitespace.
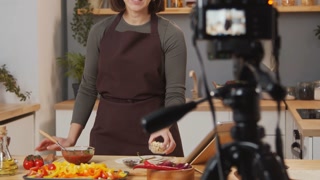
{"x":11,"y":85}
{"x":81,"y":23}
{"x":74,"y":64}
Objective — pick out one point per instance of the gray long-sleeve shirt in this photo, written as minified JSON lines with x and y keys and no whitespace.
{"x":174,"y":50}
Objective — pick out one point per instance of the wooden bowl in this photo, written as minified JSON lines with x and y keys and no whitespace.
{"x":183,"y":174}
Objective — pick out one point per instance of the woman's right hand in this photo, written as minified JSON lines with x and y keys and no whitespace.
{"x":48,"y":145}
{"x":74,"y":133}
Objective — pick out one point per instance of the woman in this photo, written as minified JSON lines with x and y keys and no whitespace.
{"x":136,"y":61}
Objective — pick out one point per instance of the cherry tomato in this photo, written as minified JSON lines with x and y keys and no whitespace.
{"x":32,"y":161}
{"x":38,"y":163}
{"x":51,"y":167}
{"x":28,"y":162}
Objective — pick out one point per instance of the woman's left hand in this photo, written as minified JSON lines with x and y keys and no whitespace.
{"x":168,"y":140}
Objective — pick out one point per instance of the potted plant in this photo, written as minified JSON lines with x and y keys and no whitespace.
{"x":81,"y":24}
{"x":11,"y":85}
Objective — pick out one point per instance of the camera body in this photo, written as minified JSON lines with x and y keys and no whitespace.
{"x":234,"y":19}
{"x":231,"y":26}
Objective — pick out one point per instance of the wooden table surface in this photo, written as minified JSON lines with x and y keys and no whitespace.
{"x":298,"y":169}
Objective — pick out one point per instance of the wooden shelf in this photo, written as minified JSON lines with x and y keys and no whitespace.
{"x":292,"y":9}
{"x":186,"y":10}
{"x":107,"y":11}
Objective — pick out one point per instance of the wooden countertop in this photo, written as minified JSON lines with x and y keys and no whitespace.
{"x":298,"y":169}
{"x":265,"y":105}
{"x":310,"y":127}
{"x":8,"y":111}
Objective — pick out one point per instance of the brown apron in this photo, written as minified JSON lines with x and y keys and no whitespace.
{"x":131,"y":85}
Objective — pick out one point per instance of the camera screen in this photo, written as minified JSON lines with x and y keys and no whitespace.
{"x":225,"y":22}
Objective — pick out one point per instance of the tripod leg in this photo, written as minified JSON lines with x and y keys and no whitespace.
{"x":212,"y":171}
{"x":268,"y":167}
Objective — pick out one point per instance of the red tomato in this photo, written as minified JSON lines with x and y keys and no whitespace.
{"x":28,"y":162}
{"x":38,"y":161}
{"x":51,"y":167}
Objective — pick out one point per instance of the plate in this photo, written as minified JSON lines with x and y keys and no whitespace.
{"x":25,"y":177}
{"x":153,"y":158}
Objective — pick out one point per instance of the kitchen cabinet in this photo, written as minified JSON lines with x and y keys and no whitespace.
{"x":21,"y":131}
{"x":197,"y":124}
{"x":187,"y":10}
{"x":308,"y":129}
{"x":269,"y":122}
{"x":309,"y":145}
{"x":194,"y":126}
{"x":63,"y":119}
{"x":19,"y":120}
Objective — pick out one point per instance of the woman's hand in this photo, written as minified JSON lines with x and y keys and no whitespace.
{"x":74,"y":133}
{"x":168,"y":141}
{"x":47,"y":144}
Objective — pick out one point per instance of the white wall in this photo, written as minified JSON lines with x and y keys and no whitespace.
{"x":31,"y":39}
{"x":18,"y":46}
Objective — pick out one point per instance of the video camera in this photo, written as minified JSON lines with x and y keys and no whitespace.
{"x":221,"y":19}
{"x":232,"y":25}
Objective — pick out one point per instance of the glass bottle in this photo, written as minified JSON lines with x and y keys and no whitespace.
{"x":8,"y":165}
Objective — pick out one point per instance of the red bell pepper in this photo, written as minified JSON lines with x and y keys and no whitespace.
{"x":147,"y":165}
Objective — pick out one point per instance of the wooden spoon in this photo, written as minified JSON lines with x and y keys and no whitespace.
{"x":52,"y":139}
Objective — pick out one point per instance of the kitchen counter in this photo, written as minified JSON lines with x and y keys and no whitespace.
{"x":8,"y":111}
{"x":298,"y":169}
{"x":307,"y":127}
{"x":265,"y":105}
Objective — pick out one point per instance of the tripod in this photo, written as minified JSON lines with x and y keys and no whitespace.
{"x":252,"y":158}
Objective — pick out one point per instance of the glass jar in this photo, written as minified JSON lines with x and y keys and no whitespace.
{"x":176,"y":3}
{"x":291,"y":93}
{"x":288,"y":2}
{"x":305,"y":91}
{"x":307,"y":2}
{"x":316,"y":88}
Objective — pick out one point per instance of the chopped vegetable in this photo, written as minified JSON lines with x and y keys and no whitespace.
{"x":166,"y":165}
{"x":70,"y":170}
